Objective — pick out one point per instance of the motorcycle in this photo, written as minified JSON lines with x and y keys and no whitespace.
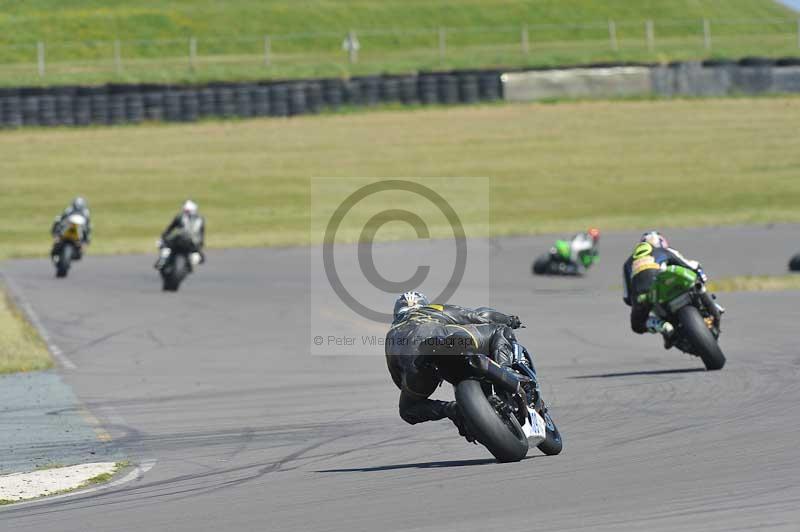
{"x":794,"y":264}
{"x":175,"y":259}
{"x":68,"y":245}
{"x":679,"y":296}
{"x":558,"y":262}
{"x":502,"y":406}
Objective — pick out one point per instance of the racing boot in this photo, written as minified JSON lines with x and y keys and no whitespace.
{"x":454,"y":414}
{"x":665,"y":328}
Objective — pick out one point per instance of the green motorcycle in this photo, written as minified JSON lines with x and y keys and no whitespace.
{"x":679,"y":296}
{"x":558,"y":261}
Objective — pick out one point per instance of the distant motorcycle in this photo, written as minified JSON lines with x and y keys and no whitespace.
{"x":175,"y":260}
{"x":558,"y":261}
{"x":794,"y":264}
{"x":502,"y":406}
{"x":68,"y":245}
{"x":679,"y":296}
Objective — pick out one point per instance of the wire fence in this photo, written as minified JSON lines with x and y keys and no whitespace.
{"x":388,"y":49}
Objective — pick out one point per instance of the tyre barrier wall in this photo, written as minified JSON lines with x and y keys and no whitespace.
{"x":133,"y":104}
{"x":750,"y":75}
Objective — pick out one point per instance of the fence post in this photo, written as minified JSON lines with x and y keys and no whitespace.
{"x":524,"y":40}
{"x":612,"y":34}
{"x":707,"y":33}
{"x":353,"y":46}
{"x":651,"y":35}
{"x":267,"y":50}
{"x":192,"y":52}
{"x":117,"y":56}
{"x":442,"y":43}
{"x":40,"y":58}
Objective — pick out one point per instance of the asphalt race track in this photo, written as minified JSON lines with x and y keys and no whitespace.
{"x":250,"y":432}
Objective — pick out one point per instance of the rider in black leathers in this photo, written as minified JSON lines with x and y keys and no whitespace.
{"x":189,"y":220}
{"x":418,"y":322}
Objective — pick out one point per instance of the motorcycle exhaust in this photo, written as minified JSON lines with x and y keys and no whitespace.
{"x":503,"y":377}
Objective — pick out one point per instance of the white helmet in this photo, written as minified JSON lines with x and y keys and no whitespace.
{"x":655,"y":239}
{"x":190,"y":208}
{"x":407,"y":301}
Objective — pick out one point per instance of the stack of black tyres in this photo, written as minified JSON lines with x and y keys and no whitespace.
{"x":409,"y":93}
{"x":119,"y":104}
{"x":244,"y":107}
{"x":10,"y":108}
{"x":279,"y":100}
{"x":30,"y":106}
{"x":134,"y":107}
{"x":390,"y":89}
{"x":314,"y":97}
{"x":428,"y":89}
{"x":333,"y":92}
{"x":259,"y":95}
{"x":297,"y":98}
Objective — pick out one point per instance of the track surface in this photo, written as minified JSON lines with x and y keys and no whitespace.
{"x":251,"y":433}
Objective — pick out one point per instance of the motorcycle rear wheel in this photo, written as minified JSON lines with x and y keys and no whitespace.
{"x":701,"y":338}
{"x":794,"y":264}
{"x":541,"y":265}
{"x":503,"y":437}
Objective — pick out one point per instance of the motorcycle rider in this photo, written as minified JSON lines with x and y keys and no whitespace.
{"x":419,"y":324}
{"x":650,"y":255}
{"x":189,"y":220}
{"x":583,"y":248}
{"x":78,"y":206}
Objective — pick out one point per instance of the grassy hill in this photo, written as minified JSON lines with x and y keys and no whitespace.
{"x":395,"y":35}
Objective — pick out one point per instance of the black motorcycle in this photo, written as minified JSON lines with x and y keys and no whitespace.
{"x":502,"y":406}
{"x":68,"y":243}
{"x":174,"y":264}
{"x":794,"y":264}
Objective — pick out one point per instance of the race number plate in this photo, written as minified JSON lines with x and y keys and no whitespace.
{"x":535,"y":428}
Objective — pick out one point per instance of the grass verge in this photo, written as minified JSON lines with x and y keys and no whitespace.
{"x":553,"y":167}
{"x":756,"y":283}
{"x":395,"y":36}
{"x":21,"y":348}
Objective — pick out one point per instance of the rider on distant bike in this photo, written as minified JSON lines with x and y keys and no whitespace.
{"x":78,"y":206}
{"x":640,"y":271}
{"x":417,"y":322}
{"x":190,"y":221}
{"x":583,"y":248}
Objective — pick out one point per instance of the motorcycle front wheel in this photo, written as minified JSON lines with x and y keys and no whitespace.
{"x":64,"y":259}
{"x":501,"y":435}
{"x":552,"y":444}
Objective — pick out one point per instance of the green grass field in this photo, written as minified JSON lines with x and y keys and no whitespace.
{"x":21,"y":348}
{"x":395,"y":35}
{"x":554,"y":167}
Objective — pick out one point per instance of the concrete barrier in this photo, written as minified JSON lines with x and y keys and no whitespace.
{"x":678,"y":79}
{"x":576,"y":83}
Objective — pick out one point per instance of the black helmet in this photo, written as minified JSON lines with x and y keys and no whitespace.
{"x":409,"y":300}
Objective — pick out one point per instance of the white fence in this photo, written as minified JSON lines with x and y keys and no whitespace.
{"x":406,"y":46}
